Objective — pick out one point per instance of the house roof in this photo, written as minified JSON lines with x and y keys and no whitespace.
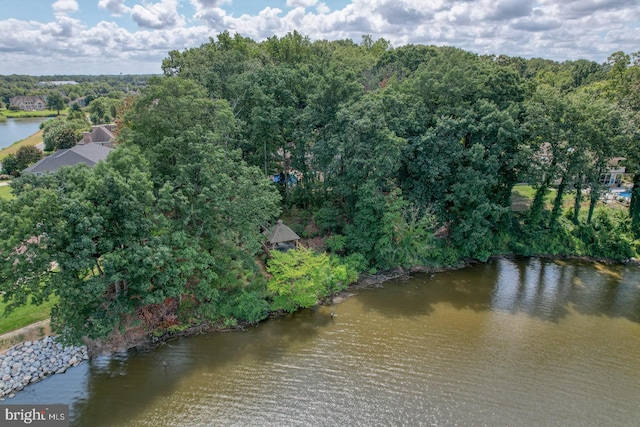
{"x":102,"y":133}
{"x":281,"y":233}
{"x":615,"y":160}
{"x":24,"y":98}
{"x":89,"y":154}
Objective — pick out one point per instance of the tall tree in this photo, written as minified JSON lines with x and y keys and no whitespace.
{"x":55,"y":101}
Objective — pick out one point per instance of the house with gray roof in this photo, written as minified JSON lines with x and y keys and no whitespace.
{"x":100,"y":134}
{"x":89,"y":154}
{"x":28,"y":103}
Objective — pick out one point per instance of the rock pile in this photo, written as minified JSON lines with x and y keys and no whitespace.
{"x":33,"y":361}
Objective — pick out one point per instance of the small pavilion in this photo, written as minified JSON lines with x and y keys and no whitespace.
{"x":281,"y":237}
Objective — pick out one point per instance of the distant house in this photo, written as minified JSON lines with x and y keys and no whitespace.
{"x":89,"y":154}
{"x":100,"y":134}
{"x":28,"y":103}
{"x":82,"y":101}
{"x":613,"y":176}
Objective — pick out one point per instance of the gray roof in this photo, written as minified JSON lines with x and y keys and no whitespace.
{"x":281,"y":233}
{"x":102,"y":133}
{"x":89,"y":154}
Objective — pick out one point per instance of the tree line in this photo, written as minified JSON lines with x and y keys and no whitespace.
{"x":396,"y":157}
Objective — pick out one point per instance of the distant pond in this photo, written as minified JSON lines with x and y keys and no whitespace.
{"x":506,"y":343}
{"x":13,"y":130}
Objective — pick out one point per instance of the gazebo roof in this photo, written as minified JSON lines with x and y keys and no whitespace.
{"x":280,"y":233}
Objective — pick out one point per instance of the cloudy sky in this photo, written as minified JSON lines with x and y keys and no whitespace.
{"x":44,"y":37}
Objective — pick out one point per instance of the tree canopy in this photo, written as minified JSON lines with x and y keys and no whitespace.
{"x":397,"y":156}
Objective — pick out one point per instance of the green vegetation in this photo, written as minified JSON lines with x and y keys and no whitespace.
{"x":64,"y":132}
{"x":24,"y":316}
{"x":398,"y":157}
{"x":5,"y":192}
{"x":12,"y":164}
{"x":19,"y":114}
{"x":301,"y":277}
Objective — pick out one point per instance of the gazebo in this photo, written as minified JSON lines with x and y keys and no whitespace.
{"x":281,"y":237}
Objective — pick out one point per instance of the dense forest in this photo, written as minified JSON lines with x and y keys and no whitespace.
{"x":393,"y":157}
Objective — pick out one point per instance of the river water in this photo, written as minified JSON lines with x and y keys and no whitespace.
{"x":509,"y":342}
{"x":13,"y":130}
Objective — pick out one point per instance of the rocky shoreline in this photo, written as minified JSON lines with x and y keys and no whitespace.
{"x":33,"y":361}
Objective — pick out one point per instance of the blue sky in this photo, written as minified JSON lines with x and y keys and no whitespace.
{"x":43,"y":37}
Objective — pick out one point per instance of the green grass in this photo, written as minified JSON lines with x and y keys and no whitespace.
{"x":23,"y":114}
{"x":24,"y":316}
{"x":522,"y":196}
{"x":5,"y":192}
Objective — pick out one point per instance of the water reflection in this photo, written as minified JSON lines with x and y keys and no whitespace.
{"x":549,"y":290}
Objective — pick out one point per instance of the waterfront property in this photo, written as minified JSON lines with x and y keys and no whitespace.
{"x":28,"y":103}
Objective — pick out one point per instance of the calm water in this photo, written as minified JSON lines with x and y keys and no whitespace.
{"x":14,"y":130}
{"x":505,"y":343}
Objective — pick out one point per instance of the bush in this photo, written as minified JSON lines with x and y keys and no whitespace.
{"x":336,"y":243}
{"x":301,"y":277}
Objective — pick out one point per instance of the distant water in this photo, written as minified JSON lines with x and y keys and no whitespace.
{"x":14,"y":130}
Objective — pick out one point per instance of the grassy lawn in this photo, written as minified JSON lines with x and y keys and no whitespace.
{"x":24,"y":316}
{"x":5,"y":192}
{"x":34,"y":139}
{"x":522,"y":196}
{"x":22,"y":114}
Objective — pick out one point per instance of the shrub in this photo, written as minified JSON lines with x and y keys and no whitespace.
{"x":301,"y":277}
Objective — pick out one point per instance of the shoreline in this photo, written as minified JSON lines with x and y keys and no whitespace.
{"x":31,"y":140}
{"x":366,"y":281}
{"x":144,"y":342}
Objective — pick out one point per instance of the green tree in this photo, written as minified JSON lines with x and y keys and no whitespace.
{"x":10,"y":165}
{"x":65,"y":138}
{"x":26,"y":156}
{"x":13,"y":164}
{"x":55,"y":101}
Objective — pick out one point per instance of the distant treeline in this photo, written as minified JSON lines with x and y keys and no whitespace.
{"x":88,"y":85}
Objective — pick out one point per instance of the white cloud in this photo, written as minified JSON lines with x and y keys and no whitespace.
{"x":301,"y":3}
{"x":64,"y":27}
{"x":322,"y":8}
{"x":116,"y":7}
{"x":555,"y":29}
{"x":161,"y":15}
{"x":65,"y":6}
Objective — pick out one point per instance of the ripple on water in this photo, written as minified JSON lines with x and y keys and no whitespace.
{"x":507,"y":343}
